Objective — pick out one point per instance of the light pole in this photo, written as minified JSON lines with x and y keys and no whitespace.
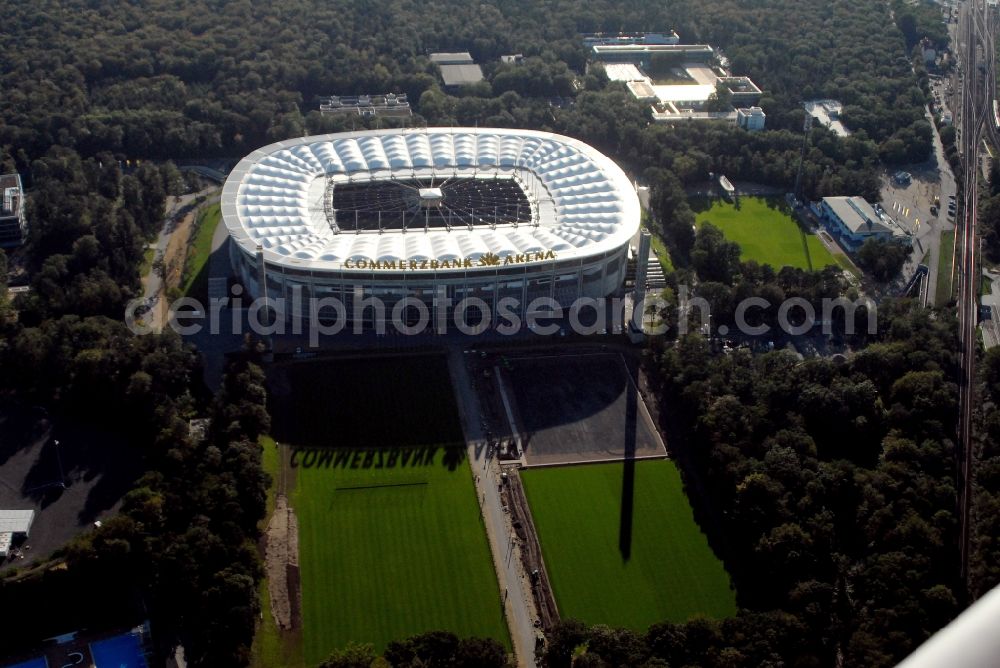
{"x":62,"y":477}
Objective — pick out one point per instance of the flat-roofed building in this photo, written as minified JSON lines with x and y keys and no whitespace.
{"x":590,"y":39}
{"x":14,"y":524}
{"x":852,"y":220}
{"x":750,"y":118}
{"x":680,"y":80}
{"x":13,"y":225}
{"x":457,"y":69}
{"x":645,"y":53}
{"x":624,"y":72}
{"x":390,"y":104}
{"x":744,"y":91}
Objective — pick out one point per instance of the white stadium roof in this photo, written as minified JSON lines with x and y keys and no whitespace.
{"x":280,"y":197}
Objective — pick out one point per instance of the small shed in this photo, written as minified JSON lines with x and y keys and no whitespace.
{"x":14,"y":524}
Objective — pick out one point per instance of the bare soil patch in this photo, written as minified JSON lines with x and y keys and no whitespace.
{"x":281,"y":562}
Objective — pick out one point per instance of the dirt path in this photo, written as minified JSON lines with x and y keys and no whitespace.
{"x":531,"y":550}
{"x":176,"y":251}
{"x":281,"y":562}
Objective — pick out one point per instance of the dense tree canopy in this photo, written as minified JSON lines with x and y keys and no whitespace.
{"x":190,"y":79}
{"x":831,"y":487}
{"x":828,"y":489}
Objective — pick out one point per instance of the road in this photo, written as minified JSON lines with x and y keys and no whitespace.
{"x":515,"y":590}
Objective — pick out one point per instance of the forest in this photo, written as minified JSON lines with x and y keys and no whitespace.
{"x":192,"y":79}
{"x":827,"y":489}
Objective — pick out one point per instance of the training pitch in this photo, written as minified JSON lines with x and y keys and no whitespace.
{"x":765,"y":232}
{"x":625,"y":559}
{"x":390,"y":537}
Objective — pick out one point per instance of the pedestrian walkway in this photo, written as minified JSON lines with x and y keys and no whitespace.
{"x":515,"y":588}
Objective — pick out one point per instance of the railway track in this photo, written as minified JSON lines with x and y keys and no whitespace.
{"x":976,"y":47}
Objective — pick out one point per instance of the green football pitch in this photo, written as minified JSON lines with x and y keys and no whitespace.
{"x":391,"y":542}
{"x":765,"y":232}
{"x":647,"y":564}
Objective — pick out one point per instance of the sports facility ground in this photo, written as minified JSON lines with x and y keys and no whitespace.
{"x":390,"y":538}
{"x":765,"y":232}
{"x":387,"y":553}
{"x":570,"y":408}
{"x":621,"y":546}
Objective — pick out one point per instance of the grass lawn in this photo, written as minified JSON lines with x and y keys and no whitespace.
{"x":662,"y":254}
{"x":765,"y":232}
{"x":391,"y":542}
{"x":660,"y":248}
{"x":987,"y":286}
{"x":944,"y":286}
{"x":389,"y":552}
{"x":195,"y":279}
{"x":845,"y":263}
{"x":670,"y":573}
{"x":148,"y":256}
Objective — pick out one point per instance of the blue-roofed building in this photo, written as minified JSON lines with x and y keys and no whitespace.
{"x":124,"y":651}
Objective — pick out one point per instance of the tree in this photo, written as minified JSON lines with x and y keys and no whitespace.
{"x":883,"y":259}
{"x":721,"y":99}
{"x":562,"y":641}
{"x":353,"y":656}
{"x":713,"y":257}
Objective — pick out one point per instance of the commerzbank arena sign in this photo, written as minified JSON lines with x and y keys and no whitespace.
{"x":487,"y":260}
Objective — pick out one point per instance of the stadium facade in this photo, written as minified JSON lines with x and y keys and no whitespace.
{"x":436,"y":215}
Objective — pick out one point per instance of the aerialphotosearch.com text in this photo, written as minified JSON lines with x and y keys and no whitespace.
{"x":318,"y":317}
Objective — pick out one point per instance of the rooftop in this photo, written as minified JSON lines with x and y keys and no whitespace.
{"x":16,"y":521}
{"x":624,"y":72}
{"x":317,"y":202}
{"x":461,"y":75}
{"x":456,"y":58}
{"x":827,"y":112}
{"x":858,"y":215}
{"x":686,"y":49}
{"x":10,"y":194}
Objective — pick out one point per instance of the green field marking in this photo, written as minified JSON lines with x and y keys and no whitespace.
{"x":391,"y":552}
{"x":195,"y":276}
{"x":766,"y":232}
{"x":670,"y":573}
{"x":946,"y":251}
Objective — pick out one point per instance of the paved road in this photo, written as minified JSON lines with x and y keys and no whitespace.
{"x":514,"y":587}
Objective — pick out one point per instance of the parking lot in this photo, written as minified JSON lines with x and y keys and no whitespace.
{"x":70,"y":475}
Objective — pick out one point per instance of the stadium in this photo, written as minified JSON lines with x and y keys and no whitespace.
{"x":437,"y":215}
